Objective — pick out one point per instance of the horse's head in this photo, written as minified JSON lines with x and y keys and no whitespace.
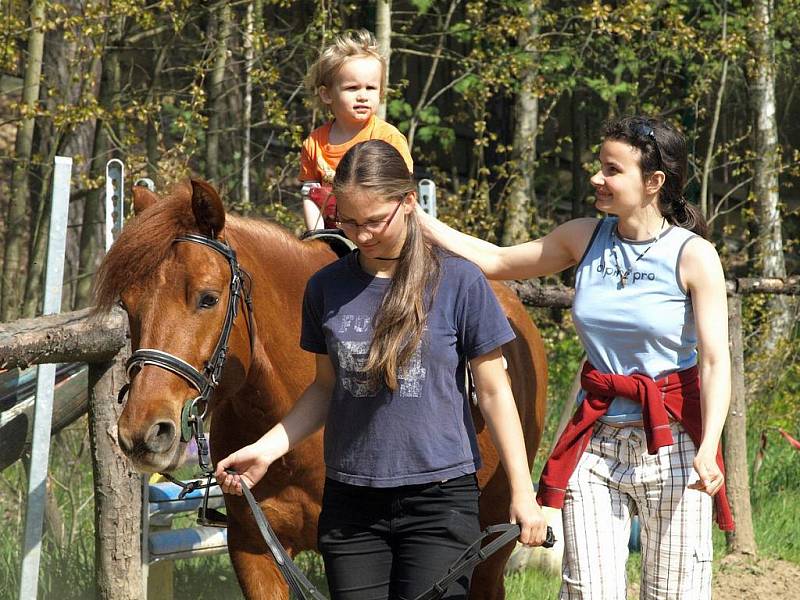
{"x":177,"y":293}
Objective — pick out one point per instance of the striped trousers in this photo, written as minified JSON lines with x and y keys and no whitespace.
{"x":615,"y":479}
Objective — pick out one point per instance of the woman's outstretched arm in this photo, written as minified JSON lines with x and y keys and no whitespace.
{"x":558,"y":250}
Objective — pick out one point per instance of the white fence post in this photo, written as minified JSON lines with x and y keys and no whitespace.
{"x":43,"y":410}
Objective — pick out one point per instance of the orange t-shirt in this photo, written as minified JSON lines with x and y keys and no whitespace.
{"x":319,"y":159}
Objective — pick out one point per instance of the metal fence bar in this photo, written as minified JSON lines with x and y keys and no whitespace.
{"x":115,"y":207}
{"x":43,"y":411}
{"x":427,"y":196}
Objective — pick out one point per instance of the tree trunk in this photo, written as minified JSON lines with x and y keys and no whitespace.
{"x":712,"y":135}
{"x":521,"y":195}
{"x":20,"y":194}
{"x":579,"y":141}
{"x":383,"y":31}
{"x":37,"y":253}
{"x":118,"y":490}
{"x":93,"y":212}
{"x":779,"y":322}
{"x":741,"y":541}
{"x":247,"y":112}
{"x":422,"y":102}
{"x":219,"y":30}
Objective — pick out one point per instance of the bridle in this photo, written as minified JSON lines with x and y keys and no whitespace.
{"x":206,"y":381}
{"x":195,"y":409}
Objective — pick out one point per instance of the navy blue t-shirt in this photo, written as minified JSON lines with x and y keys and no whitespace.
{"x":423,"y":431}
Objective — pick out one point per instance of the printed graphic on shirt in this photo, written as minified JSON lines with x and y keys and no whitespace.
{"x":352,"y":360}
{"x":326,"y":173}
{"x":352,"y":356}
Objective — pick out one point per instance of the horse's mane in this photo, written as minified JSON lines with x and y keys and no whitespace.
{"x":147,"y":240}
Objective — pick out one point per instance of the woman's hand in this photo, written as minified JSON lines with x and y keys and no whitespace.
{"x":426,"y":223}
{"x":527,"y":513}
{"x":250,"y":464}
{"x":711,"y":477}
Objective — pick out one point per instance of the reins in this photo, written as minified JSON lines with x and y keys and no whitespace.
{"x":194,"y":412}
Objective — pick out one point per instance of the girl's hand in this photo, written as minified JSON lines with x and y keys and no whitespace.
{"x":711,"y":478}
{"x":527,"y":513}
{"x":250,"y":464}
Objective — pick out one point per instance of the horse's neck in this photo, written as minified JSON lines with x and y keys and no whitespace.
{"x":280,"y":267}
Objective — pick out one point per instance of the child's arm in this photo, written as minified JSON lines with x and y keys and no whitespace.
{"x":309,"y":178}
{"x":311,"y":213}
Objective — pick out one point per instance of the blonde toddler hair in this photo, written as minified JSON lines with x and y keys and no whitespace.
{"x":351,"y":44}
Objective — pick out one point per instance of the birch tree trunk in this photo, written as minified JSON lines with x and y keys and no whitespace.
{"x":769,"y":244}
{"x":522,"y":195}
{"x":247,"y":108}
{"x":219,"y":31}
{"x":383,"y":31}
{"x":19,"y":201}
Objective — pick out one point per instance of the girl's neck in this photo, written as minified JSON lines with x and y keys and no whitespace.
{"x":383,"y":269}
{"x":342,"y":132}
{"x":641,"y":227}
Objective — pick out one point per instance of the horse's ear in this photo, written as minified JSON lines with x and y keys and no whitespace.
{"x":142,"y":199}
{"x":207,"y":208}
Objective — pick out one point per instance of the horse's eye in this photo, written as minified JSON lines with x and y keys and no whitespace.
{"x":208,"y":300}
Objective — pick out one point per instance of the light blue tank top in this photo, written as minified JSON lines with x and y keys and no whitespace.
{"x":644,"y":326}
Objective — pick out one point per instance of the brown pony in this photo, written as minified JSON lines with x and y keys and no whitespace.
{"x":175,"y":296}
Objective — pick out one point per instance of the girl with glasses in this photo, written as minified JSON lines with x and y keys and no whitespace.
{"x":649,"y":293}
{"x":393,"y":326}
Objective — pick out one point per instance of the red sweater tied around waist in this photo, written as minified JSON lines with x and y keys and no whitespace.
{"x":676,"y":395}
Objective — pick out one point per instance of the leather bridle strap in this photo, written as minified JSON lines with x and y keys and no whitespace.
{"x":476,"y":554}
{"x":165,"y":360}
{"x":298,"y":582}
{"x":206,"y":381}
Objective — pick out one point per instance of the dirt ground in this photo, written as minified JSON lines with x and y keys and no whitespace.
{"x":764,"y":579}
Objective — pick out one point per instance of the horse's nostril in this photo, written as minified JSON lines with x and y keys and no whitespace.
{"x":124,"y":441}
{"x":160,"y":437}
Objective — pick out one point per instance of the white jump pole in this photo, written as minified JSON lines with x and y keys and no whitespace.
{"x":45,"y":382}
{"x":427,"y":196}
{"x":115,"y":205}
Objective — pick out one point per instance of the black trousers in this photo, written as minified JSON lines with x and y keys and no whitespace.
{"x":395,"y":543}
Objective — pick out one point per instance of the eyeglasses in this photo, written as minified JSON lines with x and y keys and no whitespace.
{"x":643,"y":130}
{"x":370,"y":226}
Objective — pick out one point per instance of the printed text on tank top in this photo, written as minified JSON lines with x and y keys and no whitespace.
{"x":623,"y":275}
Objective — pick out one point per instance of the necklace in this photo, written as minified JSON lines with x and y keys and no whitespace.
{"x":623,"y":275}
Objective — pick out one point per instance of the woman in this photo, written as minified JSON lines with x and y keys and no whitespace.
{"x":649,"y":292}
{"x":393,"y":326}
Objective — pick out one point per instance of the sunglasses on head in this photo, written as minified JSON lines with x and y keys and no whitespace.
{"x":645,"y":132}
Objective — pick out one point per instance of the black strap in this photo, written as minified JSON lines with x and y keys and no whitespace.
{"x":298,"y":583}
{"x":165,"y":360}
{"x":475,"y":554}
